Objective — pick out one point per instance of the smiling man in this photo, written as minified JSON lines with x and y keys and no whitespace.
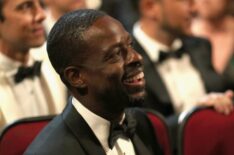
{"x":93,"y":55}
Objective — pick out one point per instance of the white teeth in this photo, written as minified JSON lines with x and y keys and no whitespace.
{"x":136,"y":77}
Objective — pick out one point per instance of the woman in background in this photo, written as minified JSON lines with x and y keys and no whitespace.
{"x":215,"y":22}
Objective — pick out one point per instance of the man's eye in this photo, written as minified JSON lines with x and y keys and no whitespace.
{"x":26,"y":6}
{"x":131,"y":44}
{"x":118,"y":52}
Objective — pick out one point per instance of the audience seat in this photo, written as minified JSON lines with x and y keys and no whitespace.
{"x":15,"y":137}
{"x":203,"y":131}
{"x":161,"y":130}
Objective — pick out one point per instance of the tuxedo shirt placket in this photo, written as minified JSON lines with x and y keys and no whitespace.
{"x":101,"y":127}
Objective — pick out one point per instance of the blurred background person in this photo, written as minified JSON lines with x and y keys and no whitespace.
{"x":231,"y":7}
{"x":123,"y":10}
{"x":178,"y":68}
{"x":56,"y":8}
{"x":27,"y":87}
{"x":215,"y":22}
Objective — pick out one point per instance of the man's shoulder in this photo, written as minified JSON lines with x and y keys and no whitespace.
{"x":57,"y":137}
{"x":196,"y":41}
{"x":51,"y":138}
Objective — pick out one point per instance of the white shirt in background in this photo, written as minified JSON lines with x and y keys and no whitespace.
{"x":101,"y":127}
{"x":182,"y":80}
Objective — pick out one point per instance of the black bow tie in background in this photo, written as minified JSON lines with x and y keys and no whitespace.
{"x":28,"y":72}
{"x":170,"y":54}
{"x":125,"y":130}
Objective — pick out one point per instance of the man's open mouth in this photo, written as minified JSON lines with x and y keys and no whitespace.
{"x":135,"y":80}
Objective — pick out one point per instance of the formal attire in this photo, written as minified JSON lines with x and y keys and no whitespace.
{"x":35,"y":96}
{"x":79,"y":131}
{"x":174,"y":85}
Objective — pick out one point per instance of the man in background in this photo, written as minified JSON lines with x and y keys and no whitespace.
{"x":27,"y":87}
{"x":178,"y":67}
{"x":56,"y":8}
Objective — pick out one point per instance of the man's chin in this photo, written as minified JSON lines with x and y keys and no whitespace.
{"x":136,"y":101}
{"x":38,"y":42}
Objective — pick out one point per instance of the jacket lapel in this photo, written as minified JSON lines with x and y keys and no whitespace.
{"x":143,"y":141}
{"x":82,"y":131}
{"x":200,"y":54}
{"x":154,"y":80}
{"x":139,"y":146}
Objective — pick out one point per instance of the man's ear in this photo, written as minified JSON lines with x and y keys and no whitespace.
{"x":74,"y":77}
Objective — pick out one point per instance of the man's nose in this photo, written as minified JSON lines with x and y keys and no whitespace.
{"x":192,"y":8}
{"x":133,"y":57}
{"x":39,"y":13}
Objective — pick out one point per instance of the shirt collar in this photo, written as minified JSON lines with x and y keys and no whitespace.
{"x":150,"y":45}
{"x":10,"y":66}
{"x":99,"y":125}
{"x":7,"y":63}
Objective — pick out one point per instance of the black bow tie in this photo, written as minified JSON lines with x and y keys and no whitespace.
{"x":170,"y":54}
{"x":28,"y":72}
{"x":125,"y":130}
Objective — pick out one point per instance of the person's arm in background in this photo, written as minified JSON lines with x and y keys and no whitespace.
{"x":222,"y":102}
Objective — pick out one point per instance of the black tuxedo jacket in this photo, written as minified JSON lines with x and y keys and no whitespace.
{"x":199,"y":51}
{"x":69,"y":134}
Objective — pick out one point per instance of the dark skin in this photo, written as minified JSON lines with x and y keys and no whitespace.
{"x":112,"y":74}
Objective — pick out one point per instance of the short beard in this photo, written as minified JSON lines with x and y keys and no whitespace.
{"x":136,"y":102}
{"x":117,"y":100}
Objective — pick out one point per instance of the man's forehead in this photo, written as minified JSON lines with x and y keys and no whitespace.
{"x":108,"y":33}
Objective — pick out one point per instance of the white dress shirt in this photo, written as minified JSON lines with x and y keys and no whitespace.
{"x":43,"y":95}
{"x":101,"y":127}
{"x":182,"y":80}
{"x":29,"y":93}
{"x":93,"y":4}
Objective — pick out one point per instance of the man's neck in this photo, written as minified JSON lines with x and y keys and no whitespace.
{"x":155,"y":32}
{"x":99,"y":110}
{"x":15,"y":54}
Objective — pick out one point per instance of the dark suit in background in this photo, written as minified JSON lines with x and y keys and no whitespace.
{"x":158,"y":97}
{"x":199,"y":51}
